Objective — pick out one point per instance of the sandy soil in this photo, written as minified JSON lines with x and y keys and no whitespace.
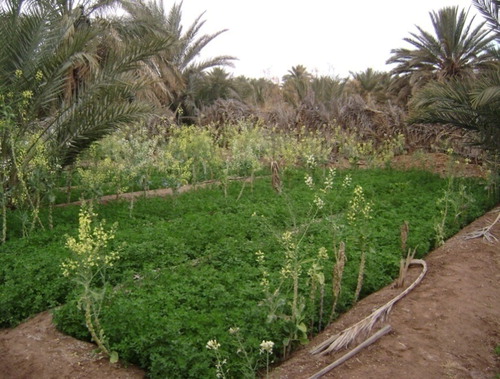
{"x":447,"y":327}
{"x":36,"y":350}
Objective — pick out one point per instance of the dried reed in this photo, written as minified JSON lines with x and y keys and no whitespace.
{"x":361,"y":274}
{"x":403,"y":268}
{"x":276,"y":178}
{"x":338,"y":272}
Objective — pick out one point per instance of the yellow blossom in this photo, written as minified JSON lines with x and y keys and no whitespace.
{"x":89,"y":248}
{"x":266,"y":346}
{"x":27,"y":94}
{"x":322,"y":253}
{"x":213,"y":345}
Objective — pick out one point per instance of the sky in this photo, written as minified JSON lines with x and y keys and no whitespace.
{"x":328,"y":37}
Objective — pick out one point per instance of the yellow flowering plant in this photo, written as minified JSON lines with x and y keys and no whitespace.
{"x":27,"y":170}
{"x":300,"y":272}
{"x":87,"y":268}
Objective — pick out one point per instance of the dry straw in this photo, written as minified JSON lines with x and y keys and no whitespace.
{"x":404,"y":263}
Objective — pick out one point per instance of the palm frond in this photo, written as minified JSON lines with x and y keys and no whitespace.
{"x":489,"y":10}
{"x":467,"y":103}
{"x":362,"y":328}
{"x":455,"y":48}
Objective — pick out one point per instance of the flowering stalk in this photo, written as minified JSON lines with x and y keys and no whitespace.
{"x":359,"y":212}
{"x":235,"y":331}
{"x":219,"y":365}
{"x":90,"y":260}
{"x":266,"y":347}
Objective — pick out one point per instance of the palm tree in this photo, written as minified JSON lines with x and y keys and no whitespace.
{"x":213,"y":85}
{"x":326,"y":90}
{"x":489,"y":9}
{"x":255,"y":91}
{"x":472,"y":102}
{"x":370,"y":84}
{"x":175,"y":69}
{"x":66,"y":92}
{"x":297,"y":85}
{"x":456,"y":49}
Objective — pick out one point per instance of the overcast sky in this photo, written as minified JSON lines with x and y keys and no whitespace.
{"x":329,"y":37}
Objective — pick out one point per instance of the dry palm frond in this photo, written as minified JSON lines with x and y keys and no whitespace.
{"x":363,"y":327}
{"x":485,"y":232}
{"x":382,"y":332}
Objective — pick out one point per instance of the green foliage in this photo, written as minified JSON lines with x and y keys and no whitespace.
{"x":472,"y":103}
{"x":187,"y":269}
{"x":455,"y":48}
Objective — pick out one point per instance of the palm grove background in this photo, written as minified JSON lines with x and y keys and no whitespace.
{"x":72,"y":72}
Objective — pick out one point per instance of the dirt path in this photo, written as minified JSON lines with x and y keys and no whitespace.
{"x":36,"y":350}
{"x":448,"y":327}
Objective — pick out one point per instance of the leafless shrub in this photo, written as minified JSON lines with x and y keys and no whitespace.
{"x":281,"y":115}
